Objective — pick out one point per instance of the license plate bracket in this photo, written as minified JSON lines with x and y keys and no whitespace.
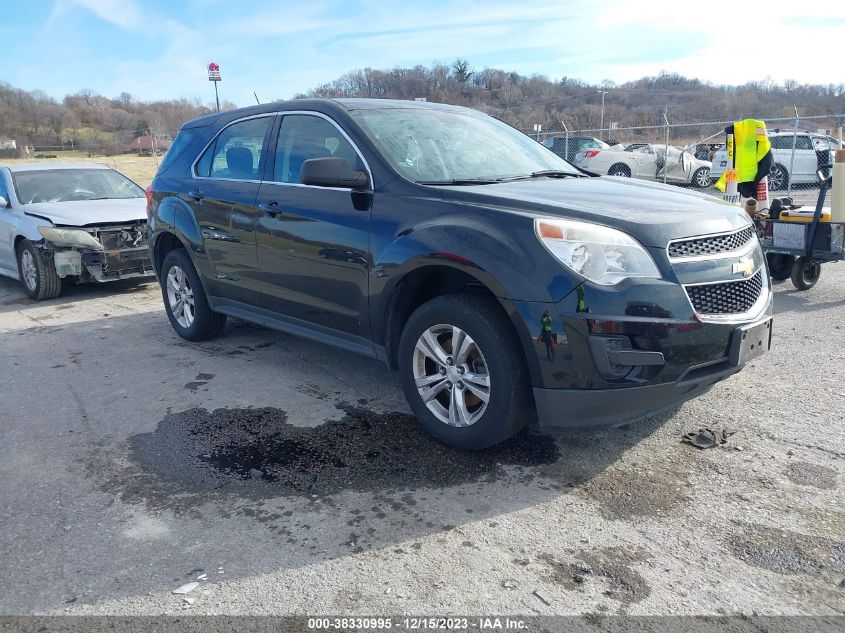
{"x":750,"y":341}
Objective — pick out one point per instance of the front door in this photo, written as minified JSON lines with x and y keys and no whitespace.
{"x":8,"y":258}
{"x":313,"y":243}
{"x":226,"y":183}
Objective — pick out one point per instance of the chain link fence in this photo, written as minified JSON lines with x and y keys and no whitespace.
{"x":696,"y":156}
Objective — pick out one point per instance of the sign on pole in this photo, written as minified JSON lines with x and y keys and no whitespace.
{"x":213,"y":72}
{"x":214,"y":75}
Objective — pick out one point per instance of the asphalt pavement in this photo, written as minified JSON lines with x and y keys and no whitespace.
{"x":290,"y":478}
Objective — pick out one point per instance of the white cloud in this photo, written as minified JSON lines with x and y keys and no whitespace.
{"x":125,"y":14}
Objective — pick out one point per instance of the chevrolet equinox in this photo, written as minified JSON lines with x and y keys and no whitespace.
{"x":504,"y":284}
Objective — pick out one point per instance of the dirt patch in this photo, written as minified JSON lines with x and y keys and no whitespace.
{"x":786,"y":552}
{"x":608,"y":570}
{"x":622,"y":494}
{"x":809,"y":474}
{"x":196,"y":455}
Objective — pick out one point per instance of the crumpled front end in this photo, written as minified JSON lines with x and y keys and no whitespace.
{"x":99,"y":253}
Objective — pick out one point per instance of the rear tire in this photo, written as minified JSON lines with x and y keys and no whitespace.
{"x":619,"y":169}
{"x":185,"y":301}
{"x":805,"y":273}
{"x":37,"y":272}
{"x":488,"y":364}
{"x":780,"y":266}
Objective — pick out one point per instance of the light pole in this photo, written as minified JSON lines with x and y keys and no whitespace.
{"x":601,"y":125}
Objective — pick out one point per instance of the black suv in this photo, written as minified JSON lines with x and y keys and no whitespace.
{"x":497,"y":278}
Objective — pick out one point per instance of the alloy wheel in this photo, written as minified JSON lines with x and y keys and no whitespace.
{"x":777,"y":178}
{"x":451,"y":375}
{"x":28,"y":270}
{"x":180,"y":296}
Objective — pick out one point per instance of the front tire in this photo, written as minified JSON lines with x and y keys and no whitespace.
{"x":463,"y":373}
{"x":805,"y":273}
{"x":185,"y":301}
{"x":701,"y":178}
{"x":37,"y":272}
{"x":778,"y":178}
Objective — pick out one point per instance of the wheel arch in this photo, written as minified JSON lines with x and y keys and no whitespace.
{"x":621,"y":164}
{"x":425,"y":282}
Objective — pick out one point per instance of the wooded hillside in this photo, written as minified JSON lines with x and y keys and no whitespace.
{"x":86,"y":119}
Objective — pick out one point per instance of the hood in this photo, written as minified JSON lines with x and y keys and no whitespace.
{"x":85,"y":212}
{"x":653,"y":213}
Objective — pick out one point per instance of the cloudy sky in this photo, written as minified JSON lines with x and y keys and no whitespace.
{"x":159,"y":49}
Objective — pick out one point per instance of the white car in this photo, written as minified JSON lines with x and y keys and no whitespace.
{"x":644,"y":160}
{"x":811,"y":150}
{"x":59,"y":221}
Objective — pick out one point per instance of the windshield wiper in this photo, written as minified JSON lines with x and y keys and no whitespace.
{"x":546,"y":173}
{"x":460,"y":181}
{"x":555,"y":173}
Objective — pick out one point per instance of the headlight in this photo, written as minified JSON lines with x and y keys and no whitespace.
{"x":69,"y":237}
{"x":601,"y":254}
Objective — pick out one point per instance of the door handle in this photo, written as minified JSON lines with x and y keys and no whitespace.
{"x":271,"y":208}
{"x":196,"y":194}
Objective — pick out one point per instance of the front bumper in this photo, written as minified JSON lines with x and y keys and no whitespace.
{"x":602,"y":408}
{"x":124,"y":255}
{"x":616,"y":357}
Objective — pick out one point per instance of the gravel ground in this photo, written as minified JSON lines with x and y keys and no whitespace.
{"x":291,"y":475}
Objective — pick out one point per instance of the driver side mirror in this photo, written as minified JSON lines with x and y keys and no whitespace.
{"x":332,"y":172}
{"x":4,"y":204}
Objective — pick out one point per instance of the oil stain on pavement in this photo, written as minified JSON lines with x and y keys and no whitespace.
{"x":256,"y":454}
{"x":607,"y":569}
{"x":785,"y":552}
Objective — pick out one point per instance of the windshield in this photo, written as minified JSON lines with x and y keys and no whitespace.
{"x":67,"y":185}
{"x":439,"y":146}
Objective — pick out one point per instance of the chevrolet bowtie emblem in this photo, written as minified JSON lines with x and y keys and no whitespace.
{"x":744,"y":266}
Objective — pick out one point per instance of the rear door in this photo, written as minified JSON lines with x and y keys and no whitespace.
{"x":227,"y":177}
{"x":313,"y":243}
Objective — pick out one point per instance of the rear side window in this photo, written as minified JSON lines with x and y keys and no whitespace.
{"x":237,"y":150}
{"x":180,"y":144}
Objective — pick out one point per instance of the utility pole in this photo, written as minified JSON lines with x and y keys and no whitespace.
{"x":601,"y":125}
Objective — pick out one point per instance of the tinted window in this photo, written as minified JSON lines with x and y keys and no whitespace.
{"x":303,"y":136}
{"x":236,"y":153}
{"x":803,"y":142}
{"x":785,"y":142}
{"x":3,"y":191}
{"x":183,"y":139}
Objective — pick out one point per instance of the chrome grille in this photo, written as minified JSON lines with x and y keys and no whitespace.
{"x":712,"y":245}
{"x":730,"y":297}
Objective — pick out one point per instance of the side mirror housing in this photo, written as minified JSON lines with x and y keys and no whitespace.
{"x":4,"y":204}
{"x":332,"y":172}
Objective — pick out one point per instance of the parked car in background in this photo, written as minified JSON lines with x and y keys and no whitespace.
{"x":639,"y":160}
{"x":498,"y":279}
{"x":811,"y":150}
{"x":568,"y":148}
{"x":61,"y":221}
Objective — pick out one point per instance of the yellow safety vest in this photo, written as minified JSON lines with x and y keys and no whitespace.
{"x":750,"y":146}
